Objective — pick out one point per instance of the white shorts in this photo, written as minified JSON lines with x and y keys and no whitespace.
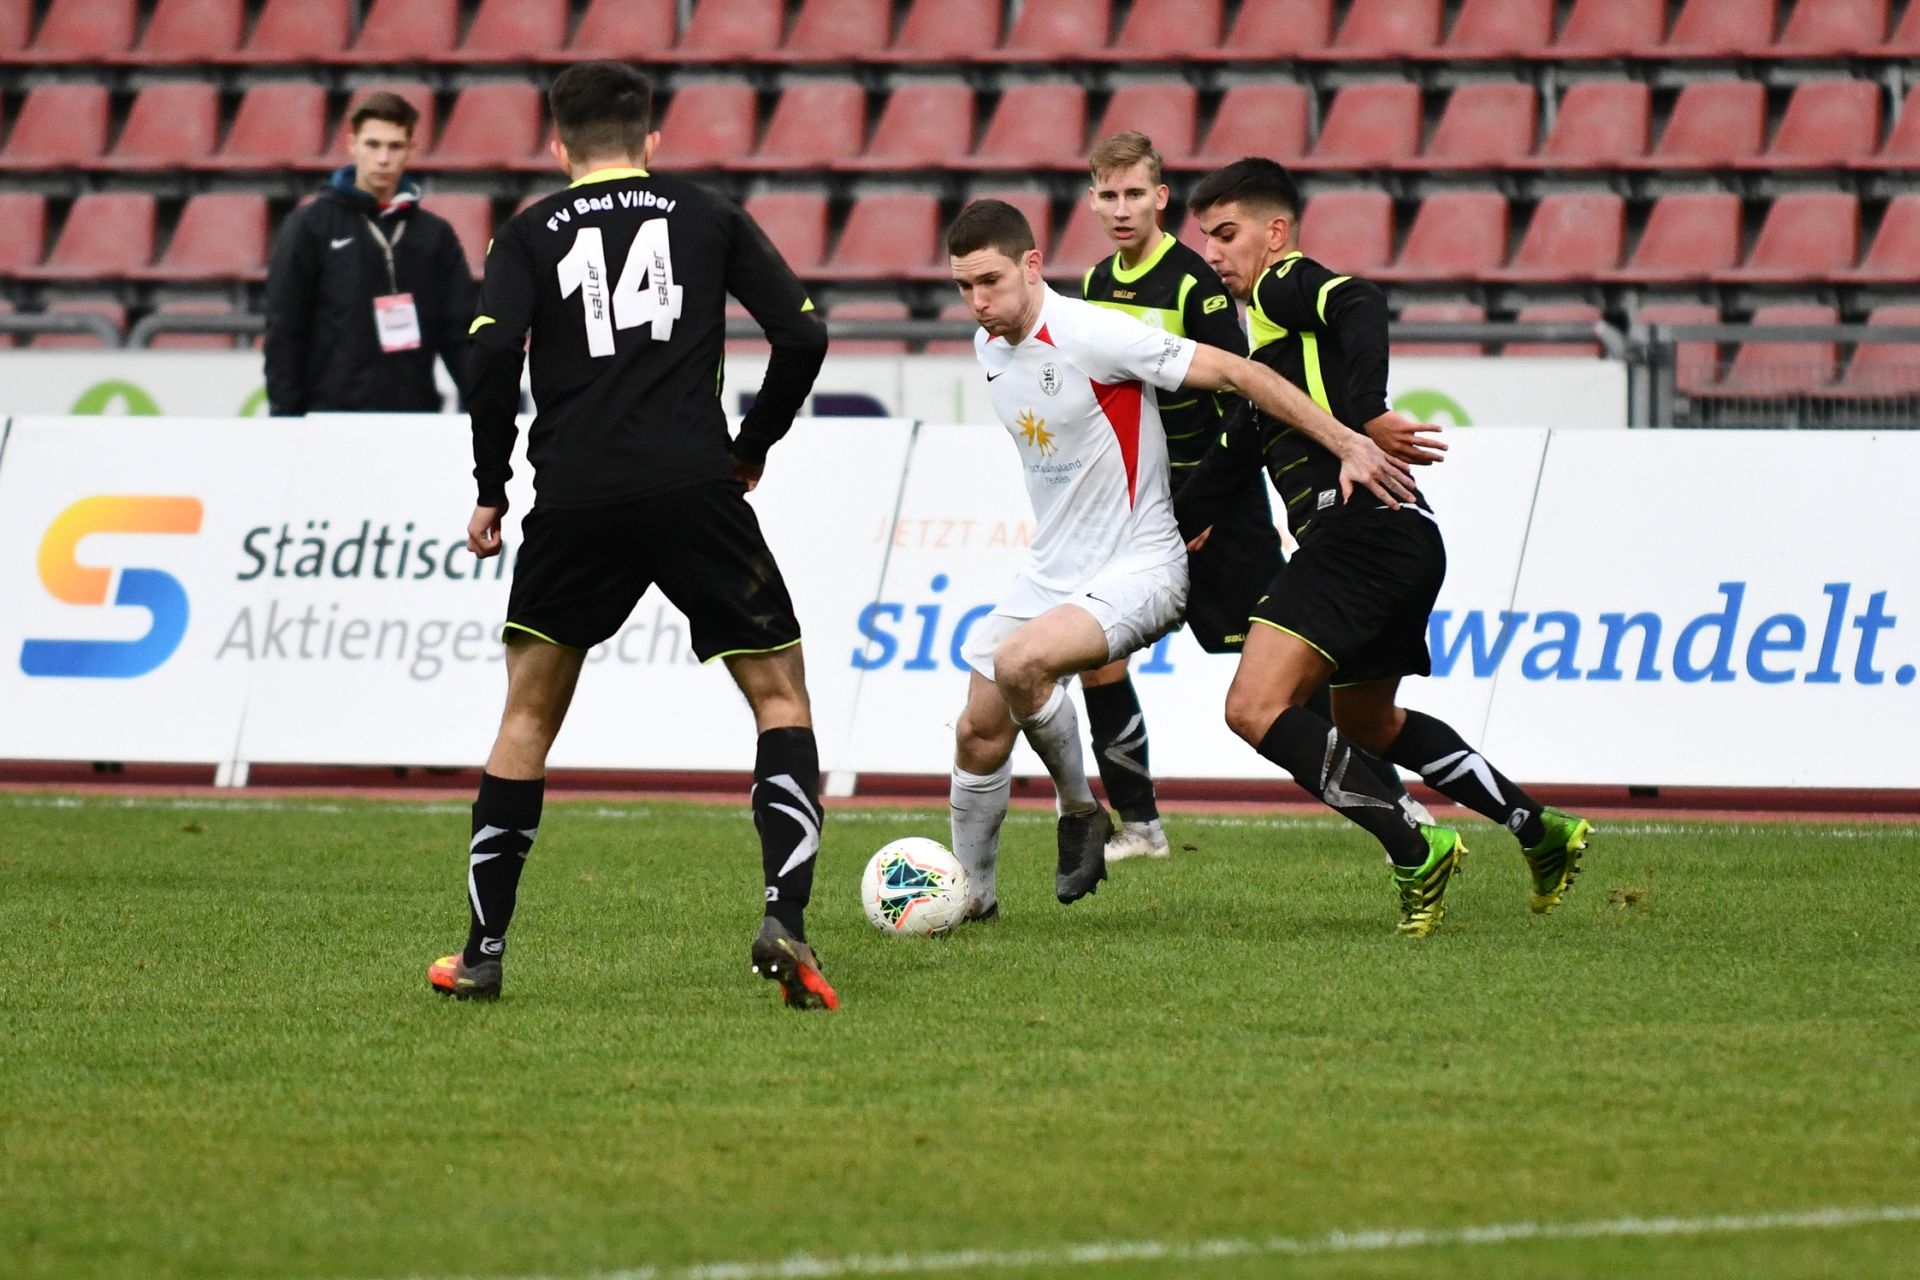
{"x":1135,"y":607}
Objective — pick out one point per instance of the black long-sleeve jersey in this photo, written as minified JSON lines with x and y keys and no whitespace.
{"x":1174,"y":289}
{"x":1327,"y":335}
{"x":622,"y":281}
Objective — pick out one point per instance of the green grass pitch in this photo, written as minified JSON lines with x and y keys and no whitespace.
{"x":219,"y":1055}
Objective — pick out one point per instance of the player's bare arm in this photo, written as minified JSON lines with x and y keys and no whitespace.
{"x":1401,"y":437}
{"x":1361,"y":460}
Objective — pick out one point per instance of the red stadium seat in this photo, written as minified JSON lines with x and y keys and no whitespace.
{"x":1055,"y":31}
{"x":838,"y":31}
{"x":815,"y":123}
{"x":1484,"y":126}
{"x":796,"y":222}
{"x":281,"y":125}
{"x":1827,"y":123}
{"x":1696,"y":363}
{"x":1166,"y":113}
{"x":1501,"y":29}
{"x":60,"y":126}
{"x":493,"y":126}
{"x":186,"y":341}
{"x":1601,"y":125}
{"x":1168,"y":31}
{"x":1456,"y":235}
{"x":872,"y":309}
{"x":1833,"y":27}
{"x":1350,"y":231}
{"x":934,"y":28}
{"x":1714,"y":123}
{"x":1279,"y":29}
{"x":1611,"y":28}
{"x":923,"y":126}
{"x":1808,"y":235}
{"x":890,"y":237}
{"x":1894,"y":257}
{"x":1439,"y":313}
{"x":1556,"y":313}
{"x":170,"y":127}
{"x":1368,"y":126}
{"x":471,"y":217}
{"x":952,"y":346}
{"x":1572,"y":237}
{"x":24,"y":214}
{"x":1037,"y":208}
{"x":632,"y":30}
{"x":1035,"y":126}
{"x":1379,"y":29}
{"x":1687,"y":237}
{"x":114,"y":311}
{"x":82,"y":31}
{"x":298,"y":31}
{"x":708,"y":126}
{"x":420,"y":95}
{"x":1083,"y":243}
{"x":219,"y":237}
{"x":732,"y":31}
{"x":406,"y":31}
{"x":1720,"y":29}
{"x":1905,"y":40}
{"x":1902,"y":148}
{"x":190,"y":31}
{"x":518,"y":30}
{"x":107,"y":235}
{"x":1783,"y":368}
{"x":1885,"y":369}
{"x":16,"y":24}
{"x":1254,"y":120}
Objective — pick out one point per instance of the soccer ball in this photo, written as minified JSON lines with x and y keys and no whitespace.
{"x":914,"y":886}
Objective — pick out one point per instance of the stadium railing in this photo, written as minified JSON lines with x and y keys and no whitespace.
{"x":1673,"y":382}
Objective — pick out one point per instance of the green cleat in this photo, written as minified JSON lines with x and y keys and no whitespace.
{"x":1423,"y":889}
{"x":1555,"y":861}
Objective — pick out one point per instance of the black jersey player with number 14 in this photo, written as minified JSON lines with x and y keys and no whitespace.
{"x":620,"y":284}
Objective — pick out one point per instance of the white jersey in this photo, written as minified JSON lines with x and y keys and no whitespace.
{"x":1089,"y":436}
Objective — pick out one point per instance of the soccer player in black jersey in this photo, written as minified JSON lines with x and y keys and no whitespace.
{"x":1160,"y":281}
{"x":621,"y":281}
{"x":1351,"y":606}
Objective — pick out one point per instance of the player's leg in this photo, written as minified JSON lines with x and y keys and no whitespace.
{"x":1552,"y":841}
{"x":1120,"y":753}
{"x":981,"y":787}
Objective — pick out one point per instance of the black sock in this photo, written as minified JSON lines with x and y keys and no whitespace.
{"x":506,"y":815}
{"x":1120,"y":749}
{"x":1324,"y":763}
{"x":788,"y":816}
{"x":1461,"y":774}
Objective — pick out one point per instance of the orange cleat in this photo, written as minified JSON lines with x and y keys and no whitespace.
{"x":780,"y":957}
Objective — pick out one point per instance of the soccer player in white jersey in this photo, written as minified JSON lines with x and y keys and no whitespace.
{"x":1074,"y":384}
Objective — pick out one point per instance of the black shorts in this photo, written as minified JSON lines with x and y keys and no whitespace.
{"x":1361,"y":591}
{"x":1232,"y":571}
{"x":580,"y":571}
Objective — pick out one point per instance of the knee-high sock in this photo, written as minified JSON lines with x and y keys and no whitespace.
{"x":506,"y":817}
{"x":978,"y":802}
{"x":788,"y":816}
{"x":1120,"y":748}
{"x":1324,"y":763}
{"x":1431,"y":748}
{"x":1054,"y":734}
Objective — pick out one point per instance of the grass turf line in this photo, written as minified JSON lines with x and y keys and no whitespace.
{"x":218,"y":1055}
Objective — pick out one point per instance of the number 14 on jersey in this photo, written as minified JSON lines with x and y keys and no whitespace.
{"x":645,"y":292}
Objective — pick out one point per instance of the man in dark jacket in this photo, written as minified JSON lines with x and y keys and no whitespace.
{"x":365,"y":287}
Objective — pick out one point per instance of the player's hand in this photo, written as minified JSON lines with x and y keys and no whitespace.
{"x":749,"y":475}
{"x":1200,"y":539}
{"x":483,"y":531}
{"x":1362,"y":462}
{"x":1410,"y":441}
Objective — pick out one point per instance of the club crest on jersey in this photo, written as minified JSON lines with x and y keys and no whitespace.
{"x":1034,"y":432}
{"x":1050,"y":379}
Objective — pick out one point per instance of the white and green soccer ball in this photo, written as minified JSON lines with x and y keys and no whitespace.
{"x":914,"y":885}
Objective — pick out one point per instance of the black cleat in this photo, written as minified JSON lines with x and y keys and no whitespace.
{"x":1083,"y":853}
{"x":780,"y":957}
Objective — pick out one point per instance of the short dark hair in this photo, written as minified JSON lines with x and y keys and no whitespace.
{"x":390,"y":107}
{"x":1252,"y":181}
{"x":602,"y":108}
{"x":990,"y":224}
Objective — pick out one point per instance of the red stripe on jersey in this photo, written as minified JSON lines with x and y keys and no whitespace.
{"x":1044,"y":336}
{"x":1120,"y":401}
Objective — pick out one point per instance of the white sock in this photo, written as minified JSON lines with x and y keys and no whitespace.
{"x":979,"y":804}
{"x":1054,"y":734}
